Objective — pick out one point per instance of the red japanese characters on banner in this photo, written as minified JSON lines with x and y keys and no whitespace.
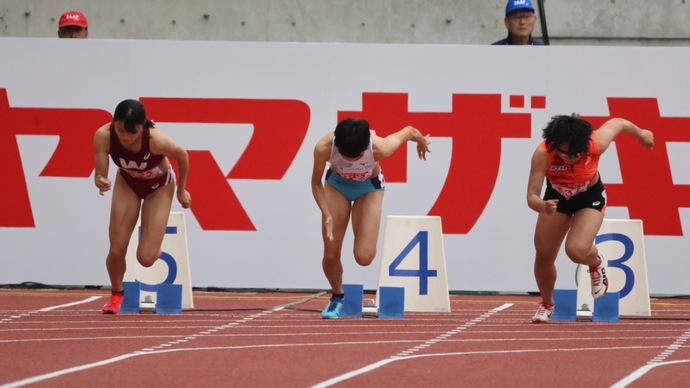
{"x":476,"y":125}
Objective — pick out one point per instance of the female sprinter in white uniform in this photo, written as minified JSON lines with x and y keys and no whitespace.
{"x":353,"y":188}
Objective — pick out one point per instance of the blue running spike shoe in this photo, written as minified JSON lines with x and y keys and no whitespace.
{"x":332,"y":311}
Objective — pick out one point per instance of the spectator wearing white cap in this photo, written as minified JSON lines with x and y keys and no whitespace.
{"x":73,"y":24}
{"x":519,"y":22}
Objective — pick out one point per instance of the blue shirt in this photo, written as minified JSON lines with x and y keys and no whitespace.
{"x":507,"y":42}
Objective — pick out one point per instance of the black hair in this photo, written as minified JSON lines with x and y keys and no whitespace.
{"x":132,"y":112}
{"x":352,"y":137}
{"x":571,"y":130}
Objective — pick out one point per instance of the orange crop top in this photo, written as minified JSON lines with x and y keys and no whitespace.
{"x":573,"y":179}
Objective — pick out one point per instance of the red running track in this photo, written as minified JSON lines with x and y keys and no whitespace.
{"x":60,"y":338}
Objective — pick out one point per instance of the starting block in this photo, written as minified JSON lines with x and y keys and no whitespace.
{"x":584,"y":312}
{"x":352,"y":306}
{"x":169,"y":299}
{"x":606,"y":308}
{"x":391,"y":302}
{"x":565,"y":308}
{"x":130,"y":303}
{"x":147,"y":305}
{"x":370,"y":310}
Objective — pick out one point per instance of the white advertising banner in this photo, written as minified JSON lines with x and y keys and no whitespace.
{"x":250,"y":113}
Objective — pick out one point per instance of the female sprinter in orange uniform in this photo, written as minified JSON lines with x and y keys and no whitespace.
{"x":574,"y":202}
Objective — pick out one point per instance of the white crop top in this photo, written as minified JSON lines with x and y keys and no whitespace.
{"x":358,"y":170}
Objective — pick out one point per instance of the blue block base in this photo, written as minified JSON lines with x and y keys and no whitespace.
{"x":391,"y":302}
{"x":169,"y":299}
{"x":606,"y":308}
{"x":352,"y":306}
{"x":130,"y":303}
{"x":566,"y":305}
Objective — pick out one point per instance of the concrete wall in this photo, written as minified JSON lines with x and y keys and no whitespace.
{"x":569,"y":22}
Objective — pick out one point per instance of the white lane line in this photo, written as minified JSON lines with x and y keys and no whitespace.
{"x":28,"y":313}
{"x":409,"y":352}
{"x":656,"y":361}
{"x":325,"y":333}
{"x":631,"y":378}
{"x":146,"y":351}
{"x":87,"y":300}
{"x":47,"y":376}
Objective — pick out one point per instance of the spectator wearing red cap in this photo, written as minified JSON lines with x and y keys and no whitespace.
{"x":73,"y":24}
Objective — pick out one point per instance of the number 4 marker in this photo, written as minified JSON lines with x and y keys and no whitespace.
{"x":423,"y":271}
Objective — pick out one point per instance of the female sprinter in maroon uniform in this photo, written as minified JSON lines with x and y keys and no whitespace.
{"x":144,"y":183}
